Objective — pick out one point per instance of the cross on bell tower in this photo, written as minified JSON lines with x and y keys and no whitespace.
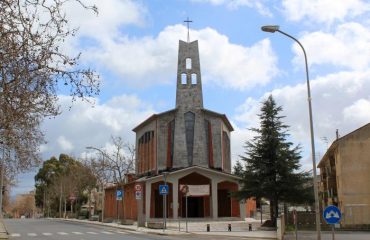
{"x":187,"y":23}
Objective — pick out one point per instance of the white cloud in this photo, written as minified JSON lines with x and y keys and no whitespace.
{"x":64,"y":144}
{"x":340,"y":101}
{"x":347,"y":47}
{"x":358,"y":112}
{"x":259,"y":5}
{"x":112,"y":15}
{"x":86,"y":125}
{"x":323,"y":11}
{"x":154,"y":60}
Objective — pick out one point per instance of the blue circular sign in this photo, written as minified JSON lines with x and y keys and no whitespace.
{"x":332,"y":214}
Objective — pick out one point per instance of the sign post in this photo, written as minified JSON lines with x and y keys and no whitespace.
{"x":119,"y":196}
{"x":163,"y":190}
{"x":295,"y":223}
{"x":332,"y":215}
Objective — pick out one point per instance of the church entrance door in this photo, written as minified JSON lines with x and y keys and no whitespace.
{"x":195,"y":207}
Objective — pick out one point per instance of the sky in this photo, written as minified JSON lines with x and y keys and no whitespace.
{"x":133,"y":46}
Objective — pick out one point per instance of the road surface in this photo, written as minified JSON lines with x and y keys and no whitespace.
{"x":44,"y":229}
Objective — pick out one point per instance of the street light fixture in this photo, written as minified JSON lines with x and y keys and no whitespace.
{"x":272,"y":29}
{"x":103,"y":190}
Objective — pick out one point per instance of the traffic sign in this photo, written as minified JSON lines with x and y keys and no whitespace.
{"x":138,"y":195}
{"x":138,"y":187}
{"x":119,"y":195}
{"x":332,"y":214}
{"x":163,"y":189}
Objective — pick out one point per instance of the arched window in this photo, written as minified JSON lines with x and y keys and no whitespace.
{"x":183,"y":79}
{"x":193,"y":78}
{"x":188,"y":63}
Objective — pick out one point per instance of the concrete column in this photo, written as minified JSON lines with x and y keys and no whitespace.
{"x":175,"y":197}
{"x":214,"y":199}
{"x":242,"y":210}
{"x":148,"y":193}
{"x":242,"y":206}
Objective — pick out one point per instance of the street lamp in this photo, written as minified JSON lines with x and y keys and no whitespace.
{"x":103,"y":190}
{"x":272,"y":29}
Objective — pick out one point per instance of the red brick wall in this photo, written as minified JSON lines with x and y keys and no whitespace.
{"x":127,"y":209}
{"x":250,"y":206}
{"x":231,"y":187}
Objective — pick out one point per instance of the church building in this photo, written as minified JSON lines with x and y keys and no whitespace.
{"x":187,"y":147}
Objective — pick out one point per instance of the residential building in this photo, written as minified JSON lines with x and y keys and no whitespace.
{"x":345,"y":177}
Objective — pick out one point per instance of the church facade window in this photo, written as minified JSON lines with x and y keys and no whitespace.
{"x":209,"y":145}
{"x":225,"y":151}
{"x":193,"y":78}
{"x":184,"y":79}
{"x":170,"y":143}
{"x":188,"y":63}
{"x":189,"y":134}
{"x":146,"y":158}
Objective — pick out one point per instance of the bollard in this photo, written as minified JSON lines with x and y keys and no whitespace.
{"x":229,"y":227}
{"x":208,"y":227}
{"x":250,"y":227}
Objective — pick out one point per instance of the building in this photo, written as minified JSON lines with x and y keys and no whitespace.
{"x":187,"y":147}
{"x":345,"y":177}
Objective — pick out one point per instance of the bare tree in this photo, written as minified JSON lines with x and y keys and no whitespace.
{"x":113,"y":164}
{"x":33,"y":67}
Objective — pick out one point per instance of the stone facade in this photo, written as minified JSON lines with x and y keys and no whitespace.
{"x":345,"y":177}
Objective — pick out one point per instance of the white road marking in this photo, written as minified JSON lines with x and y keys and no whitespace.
{"x":94,"y":233}
{"x":47,"y":234}
{"x":109,"y":233}
{"x":32,"y":234}
{"x":62,"y":233}
{"x":15,"y":235}
{"x":78,"y":233}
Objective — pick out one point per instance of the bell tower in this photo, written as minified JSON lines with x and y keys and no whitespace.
{"x":189,"y":81}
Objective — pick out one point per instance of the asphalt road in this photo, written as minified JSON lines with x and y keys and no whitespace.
{"x":22,"y":229}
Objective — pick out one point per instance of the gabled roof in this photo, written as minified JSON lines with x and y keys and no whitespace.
{"x":153,"y":117}
{"x":194,"y":167}
{"x":335,"y":144}
{"x":222,"y":116}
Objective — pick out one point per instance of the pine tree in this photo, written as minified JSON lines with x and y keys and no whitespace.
{"x":272,"y":168}
{"x":238,"y":169}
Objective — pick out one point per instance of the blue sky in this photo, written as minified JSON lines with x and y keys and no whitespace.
{"x":133,"y":46}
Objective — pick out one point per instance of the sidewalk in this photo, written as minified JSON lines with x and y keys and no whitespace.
{"x":219,"y":228}
{"x":3,"y":232}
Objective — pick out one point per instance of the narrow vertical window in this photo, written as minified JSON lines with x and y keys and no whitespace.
{"x":188,"y":63}
{"x":170,"y":143}
{"x":193,"y":78}
{"x":189,"y":134}
{"x":209,"y":145}
{"x":226,"y":151}
{"x":183,"y":78}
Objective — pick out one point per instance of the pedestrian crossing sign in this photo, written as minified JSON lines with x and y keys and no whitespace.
{"x":163,"y":189}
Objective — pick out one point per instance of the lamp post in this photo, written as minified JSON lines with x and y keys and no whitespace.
{"x":102,"y":183}
{"x":272,"y":29}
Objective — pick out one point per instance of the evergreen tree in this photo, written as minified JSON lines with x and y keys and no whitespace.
{"x":272,"y":168}
{"x":238,"y":169}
